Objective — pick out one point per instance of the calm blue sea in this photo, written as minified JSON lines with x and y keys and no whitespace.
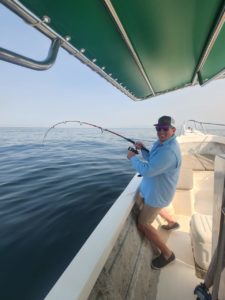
{"x":52,"y":196}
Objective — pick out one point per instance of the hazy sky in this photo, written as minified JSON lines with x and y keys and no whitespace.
{"x":71,"y":91}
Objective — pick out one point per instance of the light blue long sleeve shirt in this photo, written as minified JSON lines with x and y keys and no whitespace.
{"x":160,"y":172}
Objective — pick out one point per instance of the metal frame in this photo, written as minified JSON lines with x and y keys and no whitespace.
{"x":26,"y":62}
{"x":220,"y":74}
{"x":128,"y":42}
{"x":42,"y":26}
{"x":210,"y":43}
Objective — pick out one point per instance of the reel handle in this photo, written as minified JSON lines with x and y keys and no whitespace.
{"x":133,"y":150}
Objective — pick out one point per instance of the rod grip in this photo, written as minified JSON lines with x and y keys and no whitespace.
{"x":145,"y":149}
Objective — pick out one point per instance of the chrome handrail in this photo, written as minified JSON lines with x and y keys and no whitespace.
{"x":41,"y":25}
{"x":207,"y":123}
{"x":27,"y":62}
{"x":198,"y":125}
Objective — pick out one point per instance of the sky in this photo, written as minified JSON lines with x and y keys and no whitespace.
{"x":72,"y":91}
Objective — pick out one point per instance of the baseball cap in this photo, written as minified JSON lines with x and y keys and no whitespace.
{"x":166,"y":120}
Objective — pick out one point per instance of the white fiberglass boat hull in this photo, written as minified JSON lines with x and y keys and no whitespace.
{"x":115,"y":261}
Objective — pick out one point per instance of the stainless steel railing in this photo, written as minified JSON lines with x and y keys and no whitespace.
{"x":195,"y":125}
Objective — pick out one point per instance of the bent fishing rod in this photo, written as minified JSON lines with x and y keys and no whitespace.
{"x":96,"y":126}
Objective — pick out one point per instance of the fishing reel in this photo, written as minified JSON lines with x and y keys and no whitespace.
{"x":133,"y":150}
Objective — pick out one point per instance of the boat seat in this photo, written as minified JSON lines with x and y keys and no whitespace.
{"x":201,"y":238}
{"x":198,"y":162}
{"x":182,"y":200}
{"x":185,"y":181}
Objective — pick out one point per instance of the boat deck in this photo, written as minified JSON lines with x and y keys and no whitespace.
{"x":178,"y":280}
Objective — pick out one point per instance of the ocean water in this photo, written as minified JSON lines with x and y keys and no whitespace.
{"x":52,"y":196}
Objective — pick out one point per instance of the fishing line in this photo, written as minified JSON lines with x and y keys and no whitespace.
{"x":92,"y":125}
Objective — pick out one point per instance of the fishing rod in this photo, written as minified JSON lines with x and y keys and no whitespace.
{"x":96,"y":126}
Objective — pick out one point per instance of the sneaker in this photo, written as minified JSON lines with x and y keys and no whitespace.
{"x":171,"y":227}
{"x":202,"y":292}
{"x":160,"y":261}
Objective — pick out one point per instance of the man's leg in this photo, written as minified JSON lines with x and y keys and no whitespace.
{"x":145,"y":219}
{"x":152,"y":235}
{"x":166,"y":216}
{"x":138,"y":203}
{"x":172,"y":224}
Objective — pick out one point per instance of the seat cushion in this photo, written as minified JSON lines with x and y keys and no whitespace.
{"x":201,"y":237}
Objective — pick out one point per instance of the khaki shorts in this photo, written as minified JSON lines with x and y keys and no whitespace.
{"x":147,"y":214}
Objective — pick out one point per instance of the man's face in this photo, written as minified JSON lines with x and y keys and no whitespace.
{"x":164,"y":132}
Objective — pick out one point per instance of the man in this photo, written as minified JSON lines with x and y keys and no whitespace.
{"x":160,"y":172}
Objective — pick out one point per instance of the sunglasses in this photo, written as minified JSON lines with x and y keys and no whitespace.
{"x":162,"y":127}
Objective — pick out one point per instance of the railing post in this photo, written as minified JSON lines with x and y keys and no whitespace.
{"x":220,"y":256}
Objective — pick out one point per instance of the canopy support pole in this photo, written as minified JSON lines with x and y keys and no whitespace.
{"x":216,"y":30}
{"x":128,"y":43}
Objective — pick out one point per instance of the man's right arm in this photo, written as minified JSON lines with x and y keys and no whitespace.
{"x":140,"y":146}
{"x":156,"y":166}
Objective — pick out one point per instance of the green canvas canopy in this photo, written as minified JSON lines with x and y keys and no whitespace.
{"x":145,"y":48}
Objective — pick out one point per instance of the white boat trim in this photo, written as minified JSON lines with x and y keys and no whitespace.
{"x":80,"y":276}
